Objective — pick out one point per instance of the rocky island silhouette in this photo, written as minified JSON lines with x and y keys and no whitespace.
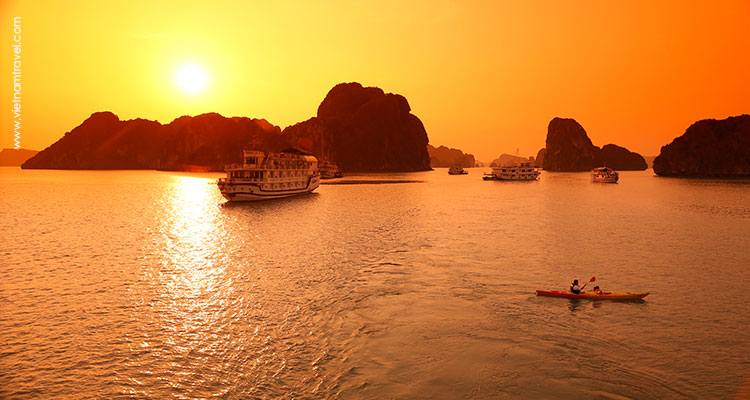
{"x":568,"y":148}
{"x":363,"y":129}
{"x":15,"y":157}
{"x":443,"y":156}
{"x":708,"y":148}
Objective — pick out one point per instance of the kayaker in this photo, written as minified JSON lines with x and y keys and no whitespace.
{"x":574,"y":288}
{"x":597,"y":290}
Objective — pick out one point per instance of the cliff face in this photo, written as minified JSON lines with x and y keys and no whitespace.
{"x":15,"y":157}
{"x":708,"y":148}
{"x":540,"y":156}
{"x":213,"y":141}
{"x":103,"y":141}
{"x":313,"y":136}
{"x":362,"y":129}
{"x":622,"y":159}
{"x":365,"y":129}
{"x":568,"y":148}
{"x":447,"y":157}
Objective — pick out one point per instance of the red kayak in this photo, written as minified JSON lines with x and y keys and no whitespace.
{"x":592,"y":295}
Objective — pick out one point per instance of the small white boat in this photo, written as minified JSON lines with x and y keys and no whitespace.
{"x":457,"y":170}
{"x":604,"y":175}
{"x":521,"y":172}
{"x":329,"y":170}
{"x":264,"y":176}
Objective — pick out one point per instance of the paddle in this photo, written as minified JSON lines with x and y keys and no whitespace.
{"x":593,"y":278}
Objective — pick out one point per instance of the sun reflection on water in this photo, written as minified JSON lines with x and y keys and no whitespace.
{"x":180,"y":318}
{"x":193,"y":236}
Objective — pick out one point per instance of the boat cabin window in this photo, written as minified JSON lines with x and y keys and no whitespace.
{"x":251,"y":160}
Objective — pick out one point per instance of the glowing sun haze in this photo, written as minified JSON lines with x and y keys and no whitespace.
{"x":483,"y":76}
{"x":191,"y":78}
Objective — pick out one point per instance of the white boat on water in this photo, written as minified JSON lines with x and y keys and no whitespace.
{"x":329,"y":170}
{"x":521,"y":172}
{"x":604,"y":175}
{"x":457,"y":170}
{"x":264,"y":176}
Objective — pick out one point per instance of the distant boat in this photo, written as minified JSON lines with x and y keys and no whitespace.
{"x":457,"y":170}
{"x":329,"y":170}
{"x":604,"y":175}
{"x":264,"y":176}
{"x":521,"y":172}
{"x":195,"y":168}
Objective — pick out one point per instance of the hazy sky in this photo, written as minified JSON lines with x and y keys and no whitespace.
{"x":485,"y":77}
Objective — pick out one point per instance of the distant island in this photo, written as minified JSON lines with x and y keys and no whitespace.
{"x":360,"y":128}
{"x":568,"y":148}
{"x":508,"y":160}
{"x":649,"y":161}
{"x":15,"y":157}
{"x":447,"y":157}
{"x":708,"y":148}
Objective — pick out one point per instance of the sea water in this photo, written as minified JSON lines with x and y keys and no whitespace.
{"x":145,"y":284}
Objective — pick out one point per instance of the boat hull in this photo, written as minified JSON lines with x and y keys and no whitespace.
{"x":501,"y":178}
{"x":250,"y":192}
{"x":605,"y":180}
{"x":592,"y":295}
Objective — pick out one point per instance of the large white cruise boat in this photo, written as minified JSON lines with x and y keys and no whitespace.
{"x":604,"y":175}
{"x":264,"y":176}
{"x":521,"y":172}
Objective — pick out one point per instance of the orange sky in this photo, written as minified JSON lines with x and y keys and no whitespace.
{"x":485,"y":77}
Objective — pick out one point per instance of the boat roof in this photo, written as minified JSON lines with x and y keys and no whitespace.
{"x":294,"y":150}
{"x":248,"y":152}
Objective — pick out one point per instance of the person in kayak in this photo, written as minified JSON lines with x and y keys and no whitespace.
{"x":574,"y":288}
{"x":597,"y":290}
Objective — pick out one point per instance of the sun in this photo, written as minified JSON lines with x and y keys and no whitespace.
{"x":191,"y":78}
